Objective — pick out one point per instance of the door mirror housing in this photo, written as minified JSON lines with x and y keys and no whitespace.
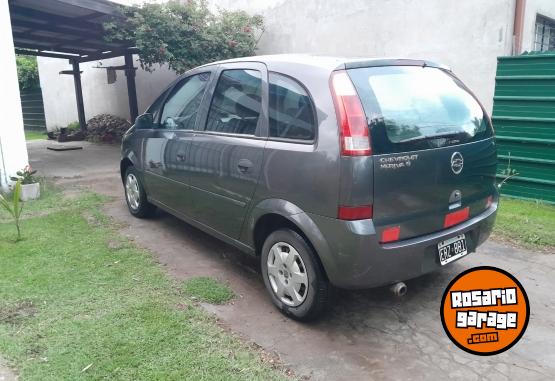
{"x":144,"y":121}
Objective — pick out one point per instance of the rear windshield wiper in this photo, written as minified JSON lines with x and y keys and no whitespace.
{"x":426,"y":137}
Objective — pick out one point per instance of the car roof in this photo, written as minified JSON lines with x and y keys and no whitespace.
{"x":329,"y":63}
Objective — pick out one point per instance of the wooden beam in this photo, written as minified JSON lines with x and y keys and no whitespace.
{"x":54,"y":19}
{"x":112,"y":54}
{"x":43,"y":54}
{"x":57,"y":50}
{"x":99,"y":6}
{"x":54,"y":42}
{"x":38,"y":27}
{"x":131,"y":88}
{"x":79,"y":95}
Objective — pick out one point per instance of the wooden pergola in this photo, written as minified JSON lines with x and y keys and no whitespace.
{"x":71,"y":29}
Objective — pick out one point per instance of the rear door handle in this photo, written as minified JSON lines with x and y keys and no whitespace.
{"x":181,"y":156}
{"x":244,"y":165}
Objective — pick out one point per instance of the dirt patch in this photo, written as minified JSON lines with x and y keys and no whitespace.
{"x":17,"y":313}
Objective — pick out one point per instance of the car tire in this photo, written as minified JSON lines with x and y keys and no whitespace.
{"x":135,"y":195}
{"x":294,"y":276}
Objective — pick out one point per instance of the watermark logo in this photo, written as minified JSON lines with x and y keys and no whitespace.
{"x":485,"y":310}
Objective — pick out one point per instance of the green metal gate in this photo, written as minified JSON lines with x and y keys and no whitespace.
{"x":524,"y":122}
{"x":33,"y":110}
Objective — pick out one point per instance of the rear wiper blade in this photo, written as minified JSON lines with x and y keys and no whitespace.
{"x":425,"y":137}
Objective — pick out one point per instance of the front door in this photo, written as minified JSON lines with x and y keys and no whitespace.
{"x":178,"y":118}
{"x":227,"y":151}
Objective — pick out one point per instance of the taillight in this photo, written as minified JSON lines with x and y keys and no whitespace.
{"x":355,"y":139}
{"x":457,"y":217}
{"x":351,"y":213}
{"x":390,"y":234}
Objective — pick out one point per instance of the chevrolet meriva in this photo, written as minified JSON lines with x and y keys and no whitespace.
{"x":352,"y":173}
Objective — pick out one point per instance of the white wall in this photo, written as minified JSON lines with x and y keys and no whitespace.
{"x":13,"y":151}
{"x":533,"y":7}
{"x":465,"y":35}
{"x":99,"y":97}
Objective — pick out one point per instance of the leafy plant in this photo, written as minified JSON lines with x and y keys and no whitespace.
{"x":15,"y":207}
{"x":73,"y":126}
{"x":27,"y":72}
{"x":25,"y":176}
{"x":185,"y":34}
{"x":507,"y":172}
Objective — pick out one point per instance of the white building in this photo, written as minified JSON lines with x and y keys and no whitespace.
{"x":13,"y":152}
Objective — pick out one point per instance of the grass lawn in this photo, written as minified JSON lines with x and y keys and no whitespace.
{"x":207,"y":290}
{"x":526,"y":223}
{"x":34,"y":135}
{"x":78,"y":301}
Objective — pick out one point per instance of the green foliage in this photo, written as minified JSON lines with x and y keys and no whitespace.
{"x":185,"y":35}
{"x":508,"y":173}
{"x":27,"y":72}
{"x":207,"y":290}
{"x":14,"y":208}
{"x":34,"y":135}
{"x":25,"y":176}
{"x":526,"y":223}
{"x":73,"y":126}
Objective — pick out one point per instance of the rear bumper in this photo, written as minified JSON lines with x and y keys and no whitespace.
{"x":353,"y":257}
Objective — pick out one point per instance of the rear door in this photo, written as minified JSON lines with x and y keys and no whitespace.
{"x":433,"y":148}
{"x":227,"y":150}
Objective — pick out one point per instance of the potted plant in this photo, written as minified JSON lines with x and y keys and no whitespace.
{"x":30,"y":186}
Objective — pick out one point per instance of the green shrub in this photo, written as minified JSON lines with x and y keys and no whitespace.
{"x":186,"y":34}
{"x":27,"y":72}
{"x":73,"y":126}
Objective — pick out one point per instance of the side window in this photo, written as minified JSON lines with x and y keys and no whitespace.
{"x":291,"y":112}
{"x":154,"y":108}
{"x":236,"y":103}
{"x":181,"y":108}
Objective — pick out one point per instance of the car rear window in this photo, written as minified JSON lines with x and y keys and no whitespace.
{"x":411,"y":108}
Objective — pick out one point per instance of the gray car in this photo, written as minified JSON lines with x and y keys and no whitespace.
{"x":354,"y":173}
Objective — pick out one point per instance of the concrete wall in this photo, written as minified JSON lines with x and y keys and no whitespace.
{"x":99,"y":97}
{"x":13,"y":151}
{"x":465,"y":35}
{"x":533,"y":7}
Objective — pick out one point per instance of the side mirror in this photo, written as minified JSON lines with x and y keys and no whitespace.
{"x":144,"y":121}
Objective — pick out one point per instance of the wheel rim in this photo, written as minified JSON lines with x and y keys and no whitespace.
{"x":132,"y":191}
{"x":287,"y":274}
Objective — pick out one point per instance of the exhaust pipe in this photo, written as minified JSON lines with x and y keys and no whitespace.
{"x":398,"y":289}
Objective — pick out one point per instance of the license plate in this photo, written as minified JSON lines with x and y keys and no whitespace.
{"x":451,"y":249}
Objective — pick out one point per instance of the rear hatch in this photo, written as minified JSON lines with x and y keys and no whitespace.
{"x":434,"y":157}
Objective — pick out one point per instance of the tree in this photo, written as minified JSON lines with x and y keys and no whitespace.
{"x":27,"y":72}
{"x":186,"y":34}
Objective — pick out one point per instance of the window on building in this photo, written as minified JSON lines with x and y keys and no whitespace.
{"x":545,"y":34}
